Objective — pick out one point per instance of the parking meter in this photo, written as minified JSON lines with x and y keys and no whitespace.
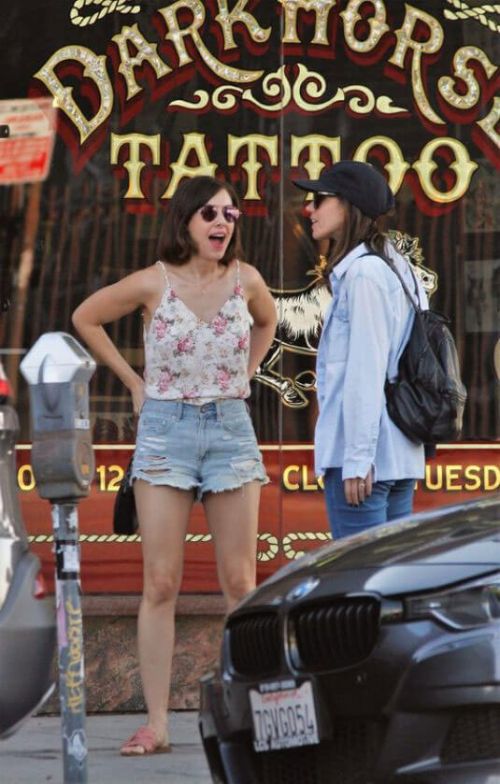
{"x":58,"y":369}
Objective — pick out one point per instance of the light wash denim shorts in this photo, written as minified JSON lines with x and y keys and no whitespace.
{"x":209,"y":448}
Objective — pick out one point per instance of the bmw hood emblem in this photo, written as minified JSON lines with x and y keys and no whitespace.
{"x":303,"y":588}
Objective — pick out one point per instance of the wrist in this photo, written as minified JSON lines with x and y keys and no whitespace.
{"x":134,"y":383}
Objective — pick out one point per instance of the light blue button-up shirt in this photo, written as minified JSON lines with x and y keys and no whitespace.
{"x":364,"y":333}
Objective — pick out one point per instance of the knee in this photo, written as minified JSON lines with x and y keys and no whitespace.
{"x":160,"y":587}
{"x":239,"y":582}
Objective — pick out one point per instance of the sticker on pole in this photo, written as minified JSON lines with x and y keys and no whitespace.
{"x":27,"y":130}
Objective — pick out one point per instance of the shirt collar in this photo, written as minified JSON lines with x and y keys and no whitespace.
{"x":341,"y":268}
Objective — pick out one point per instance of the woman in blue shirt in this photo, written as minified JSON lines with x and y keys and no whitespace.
{"x":369,"y":467}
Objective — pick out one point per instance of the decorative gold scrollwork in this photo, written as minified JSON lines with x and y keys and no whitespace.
{"x":81,"y":12}
{"x":305,"y":92}
{"x":480,"y":13}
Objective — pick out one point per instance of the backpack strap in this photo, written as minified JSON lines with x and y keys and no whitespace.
{"x":415,"y":304}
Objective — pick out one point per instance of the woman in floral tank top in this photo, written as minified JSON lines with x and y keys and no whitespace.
{"x":209,"y":320}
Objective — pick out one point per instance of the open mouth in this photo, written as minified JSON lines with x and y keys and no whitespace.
{"x":217,"y":239}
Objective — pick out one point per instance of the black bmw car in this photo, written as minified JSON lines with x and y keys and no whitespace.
{"x":373,"y":660}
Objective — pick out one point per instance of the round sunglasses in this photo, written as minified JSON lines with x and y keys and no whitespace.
{"x":209,"y":213}
{"x":320,"y":196}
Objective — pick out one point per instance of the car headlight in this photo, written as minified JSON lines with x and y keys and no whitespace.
{"x":470,"y":605}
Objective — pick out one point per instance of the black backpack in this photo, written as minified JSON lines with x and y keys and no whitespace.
{"x":427,"y":399}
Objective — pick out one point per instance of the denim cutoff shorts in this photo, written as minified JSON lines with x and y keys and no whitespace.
{"x":209,"y":448}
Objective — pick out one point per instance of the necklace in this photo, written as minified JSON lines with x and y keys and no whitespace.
{"x":201,"y":283}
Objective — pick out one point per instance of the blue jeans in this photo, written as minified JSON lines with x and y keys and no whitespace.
{"x":389,"y":500}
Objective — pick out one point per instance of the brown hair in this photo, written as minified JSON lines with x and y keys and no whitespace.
{"x":357,"y":228}
{"x":176,"y":244}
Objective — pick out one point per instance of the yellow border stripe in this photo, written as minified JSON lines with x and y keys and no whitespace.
{"x":270,"y":540}
{"x":288,"y":447}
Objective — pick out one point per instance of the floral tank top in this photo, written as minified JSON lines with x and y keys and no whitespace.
{"x":187,"y":358}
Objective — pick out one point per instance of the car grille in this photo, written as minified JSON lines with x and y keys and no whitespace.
{"x":350,"y":754}
{"x":474,"y":734}
{"x":255,"y":644}
{"x":336,"y":634}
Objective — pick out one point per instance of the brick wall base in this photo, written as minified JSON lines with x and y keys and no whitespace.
{"x":110,"y":649}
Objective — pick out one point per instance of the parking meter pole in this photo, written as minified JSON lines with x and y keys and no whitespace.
{"x":58,"y":369}
{"x":70,"y":642}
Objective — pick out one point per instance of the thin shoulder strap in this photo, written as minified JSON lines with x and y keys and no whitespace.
{"x":164,"y":270}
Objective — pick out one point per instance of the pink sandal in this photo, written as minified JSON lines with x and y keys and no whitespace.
{"x":143,"y":742}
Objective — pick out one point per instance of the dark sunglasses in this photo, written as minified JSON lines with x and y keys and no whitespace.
{"x":319,"y":197}
{"x":209,"y":212}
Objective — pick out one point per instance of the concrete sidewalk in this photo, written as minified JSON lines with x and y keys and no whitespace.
{"x":33,"y":755}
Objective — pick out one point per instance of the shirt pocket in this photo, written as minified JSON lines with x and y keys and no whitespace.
{"x":338,"y":333}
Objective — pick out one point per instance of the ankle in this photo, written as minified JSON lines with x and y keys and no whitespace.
{"x":159,"y":727}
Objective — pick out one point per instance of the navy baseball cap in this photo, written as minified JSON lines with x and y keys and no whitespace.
{"x":360,"y":183}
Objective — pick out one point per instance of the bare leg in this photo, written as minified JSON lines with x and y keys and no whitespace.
{"x":233,"y":522}
{"x":163,"y":515}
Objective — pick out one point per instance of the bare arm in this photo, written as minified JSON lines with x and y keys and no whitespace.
{"x":263,"y":311}
{"x":110,"y":304}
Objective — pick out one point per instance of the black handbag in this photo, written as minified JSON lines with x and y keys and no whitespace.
{"x":124,"y":513}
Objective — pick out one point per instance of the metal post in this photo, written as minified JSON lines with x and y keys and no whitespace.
{"x":70,"y":642}
{"x":58,"y":369}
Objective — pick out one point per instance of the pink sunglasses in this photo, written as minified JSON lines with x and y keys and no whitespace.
{"x":209,"y":212}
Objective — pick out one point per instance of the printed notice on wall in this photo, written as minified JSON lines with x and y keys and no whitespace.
{"x":26,"y":139}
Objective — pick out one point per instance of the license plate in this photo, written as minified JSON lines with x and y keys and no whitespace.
{"x":283,"y":717}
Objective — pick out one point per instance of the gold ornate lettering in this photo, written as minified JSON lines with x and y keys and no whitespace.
{"x":396,"y":167}
{"x":227,"y":19}
{"x":322,"y":10}
{"x":377,"y":24}
{"x":177,"y":36}
{"x":419,"y":48}
{"x":490,"y":122}
{"x":446,"y":84}
{"x":94,"y":69}
{"x":193,"y":142}
{"x":134,"y":165}
{"x":462,"y":167}
{"x":252,"y":165}
{"x":313,"y":143}
{"x":146,"y":52}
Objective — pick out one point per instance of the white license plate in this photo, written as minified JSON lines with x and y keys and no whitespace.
{"x":283,"y":717}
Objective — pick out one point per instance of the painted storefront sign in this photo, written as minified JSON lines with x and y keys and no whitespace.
{"x":258,"y":93}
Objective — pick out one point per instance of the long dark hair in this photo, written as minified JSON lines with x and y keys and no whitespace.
{"x":357,"y":228}
{"x":176,"y":244}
